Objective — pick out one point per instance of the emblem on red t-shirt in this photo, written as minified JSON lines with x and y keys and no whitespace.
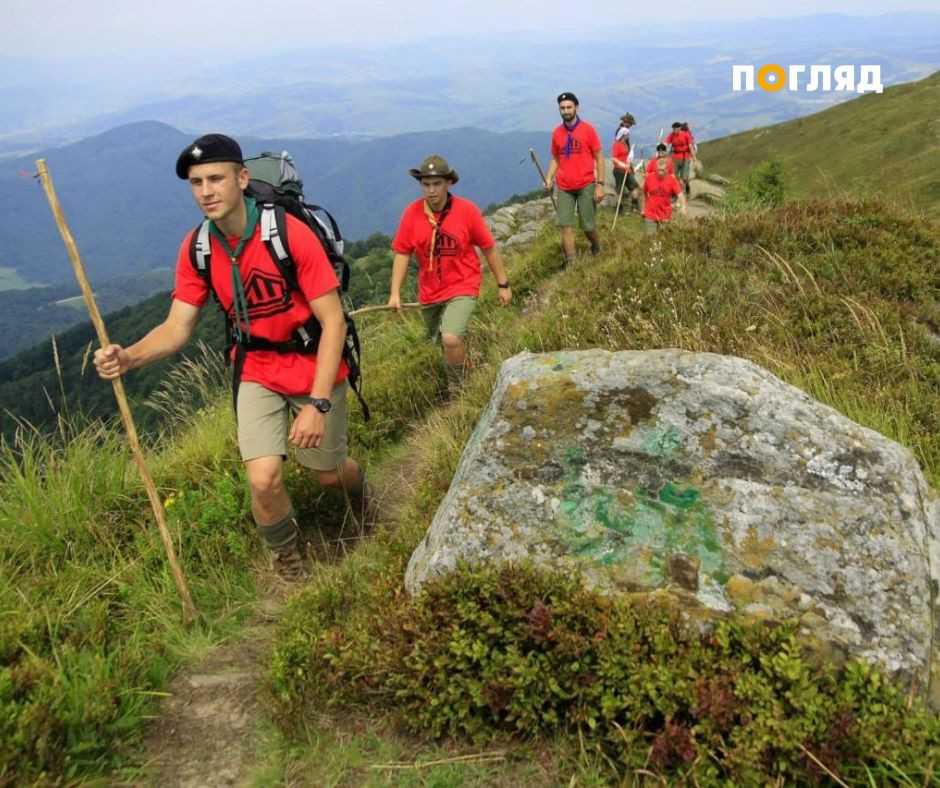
{"x":266,"y":294}
{"x":449,"y":245}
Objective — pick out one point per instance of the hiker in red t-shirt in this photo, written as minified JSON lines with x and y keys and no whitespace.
{"x":621,"y":160}
{"x":680,"y":140}
{"x":660,"y":186}
{"x":577,"y":168}
{"x":443,"y":231}
{"x":662,"y":152}
{"x":281,"y":398}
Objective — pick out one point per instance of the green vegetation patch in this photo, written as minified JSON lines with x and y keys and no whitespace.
{"x":885,"y":144}
{"x":484,"y":652}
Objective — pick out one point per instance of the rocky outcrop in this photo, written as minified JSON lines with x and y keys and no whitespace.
{"x":710,"y":478}
{"x":517,"y":225}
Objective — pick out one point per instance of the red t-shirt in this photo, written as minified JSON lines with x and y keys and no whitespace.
{"x":456,"y":270}
{"x":659,"y":193}
{"x":651,"y":166}
{"x":620,"y":150}
{"x":575,"y":161}
{"x":681,"y":142}
{"x":273,"y":310}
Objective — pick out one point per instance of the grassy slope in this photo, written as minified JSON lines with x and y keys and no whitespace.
{"x":89,"y":627}
{"x":888,"y":142}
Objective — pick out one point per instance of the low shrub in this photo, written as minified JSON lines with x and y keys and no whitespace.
{"x":514,"y":650}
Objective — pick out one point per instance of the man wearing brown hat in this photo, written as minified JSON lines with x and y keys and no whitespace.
{"x":577,"y":168}
{"x":441,"y":230}
{"x":282,"y":396}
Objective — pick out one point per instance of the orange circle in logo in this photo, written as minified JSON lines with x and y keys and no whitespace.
{"x":765,"y":71}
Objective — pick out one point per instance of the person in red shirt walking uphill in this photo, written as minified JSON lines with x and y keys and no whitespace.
{"x":660,"y":186}
{"x":441,"y":231}
{"x":620,"y":156}
{"x":577,"y":168}
{"x":281,"y":397}
{"x":662,"y":152}
{"x":680,"y":140}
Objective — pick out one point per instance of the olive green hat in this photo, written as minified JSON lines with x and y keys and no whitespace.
{"x":435,"y":167}
{"x":628,"y":118}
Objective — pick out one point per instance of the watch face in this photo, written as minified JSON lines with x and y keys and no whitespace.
{"x":322,"y":405}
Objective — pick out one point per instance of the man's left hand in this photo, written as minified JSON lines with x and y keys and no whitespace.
{"x":505,"y":296}
{"x":598,"y":192}
{"x":308,"y":428}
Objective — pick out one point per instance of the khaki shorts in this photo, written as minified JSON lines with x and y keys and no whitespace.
{"x":264,"y":420}
{"x":584,"y":199}
{"x":449,"y":317}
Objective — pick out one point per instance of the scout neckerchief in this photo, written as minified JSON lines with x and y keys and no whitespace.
{"x":435,"y":248}
{"x":239,"y":301}
{"x":570,"y":141}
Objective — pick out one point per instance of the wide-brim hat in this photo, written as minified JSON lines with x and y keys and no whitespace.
{"x":434,"y":167}
{"x":628,"y":118}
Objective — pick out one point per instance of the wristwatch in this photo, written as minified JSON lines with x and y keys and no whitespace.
{"x":322,"y":405}
{"x":503,"y":286}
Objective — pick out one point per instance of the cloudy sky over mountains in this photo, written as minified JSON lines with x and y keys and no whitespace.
{"x":59,"y":27}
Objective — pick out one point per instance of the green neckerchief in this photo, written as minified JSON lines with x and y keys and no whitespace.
{"x":239,"y":301}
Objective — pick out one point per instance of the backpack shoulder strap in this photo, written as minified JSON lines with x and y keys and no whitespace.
{"x":274,"y":235}
{"x":200,"y":251}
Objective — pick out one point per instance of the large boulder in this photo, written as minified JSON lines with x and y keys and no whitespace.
{"x":706,"y":476}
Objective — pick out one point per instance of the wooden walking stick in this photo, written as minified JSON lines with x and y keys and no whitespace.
{"x":189,"y":609}
{"x":620,"y":196}
{"x":535,"y":161}
{"x":382,"y":307}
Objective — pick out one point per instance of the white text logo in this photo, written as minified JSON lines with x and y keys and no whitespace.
{"x":772,"y":77}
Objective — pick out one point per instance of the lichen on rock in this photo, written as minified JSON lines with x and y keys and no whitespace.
{"x":706,"y":476}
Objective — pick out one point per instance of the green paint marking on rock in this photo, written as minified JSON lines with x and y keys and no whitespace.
{"x":637,"y":535}
{"x":661,"y":441}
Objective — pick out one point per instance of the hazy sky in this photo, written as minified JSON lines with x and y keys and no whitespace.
{"x":67,"y":27}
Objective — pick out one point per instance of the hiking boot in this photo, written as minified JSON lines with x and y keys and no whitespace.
{"x":595,"y":248}
{"x":290,"y":561}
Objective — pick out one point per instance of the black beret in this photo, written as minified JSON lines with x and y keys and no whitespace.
{"x":566,"y":96}
{"x":208,"y":148}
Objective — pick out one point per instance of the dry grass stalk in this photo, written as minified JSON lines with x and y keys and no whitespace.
{"x":479,"y":757}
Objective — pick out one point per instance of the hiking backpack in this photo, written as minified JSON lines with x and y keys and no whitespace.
{"x":276,"y":186}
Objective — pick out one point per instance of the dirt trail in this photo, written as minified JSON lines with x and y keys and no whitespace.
{"x":210,"y":727}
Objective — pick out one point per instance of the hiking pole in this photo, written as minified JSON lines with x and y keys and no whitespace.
{"x":535,"y":161}
{"x":381,"y":307}
{"x":620,"y":198}
{"x":189,"y":609}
